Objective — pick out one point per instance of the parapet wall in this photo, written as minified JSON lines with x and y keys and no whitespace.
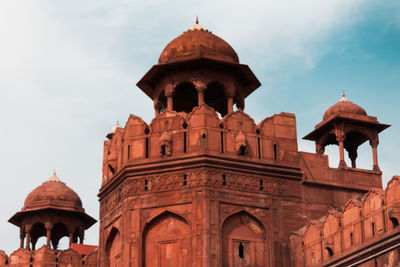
{"x":172,"y":134}
{"x":360,"y":223}
{"x":46,"y":257}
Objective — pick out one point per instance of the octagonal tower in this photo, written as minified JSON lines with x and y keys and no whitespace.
{"x":203,"y":184}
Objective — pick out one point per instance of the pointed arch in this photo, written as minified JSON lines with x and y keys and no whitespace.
{"x":167,"y":241}
{"x":215,"y":97}
{"x":113,"y":248}
{"x":243,"y":239}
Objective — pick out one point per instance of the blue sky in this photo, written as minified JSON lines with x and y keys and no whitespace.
{"x":68,"y":72}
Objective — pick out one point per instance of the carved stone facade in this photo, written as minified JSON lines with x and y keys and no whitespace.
{"x":365,"y":232}
{"x":203,"y":184}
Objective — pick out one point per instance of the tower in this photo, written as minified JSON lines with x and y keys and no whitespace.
{"x":202,"y":184}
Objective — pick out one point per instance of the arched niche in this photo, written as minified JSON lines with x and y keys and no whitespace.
{"x":185,"y":97}
{"x":351,"y":224}
{"x":372,"y":210}
{"x":331,"y":234}
{"x":167,"y":241}
{"x":312,"y":243}
{"x":214,"y":96}
{"x":243,"y":241}
{"x":113,"y":248}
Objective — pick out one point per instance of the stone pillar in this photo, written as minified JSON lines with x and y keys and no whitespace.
{"x":319,"y":149}
{"x":157,"y":107}
{"x":353,"y":156}
{"x":168,"y":94}
{"x":201,"y":87}
{"x":28,"y":236}
{"x":48,"y":227}
{"x":28,"y":240}
{"x":230,"y":105}
{"x":374,"y":144}
{"x":22,"y":237}
{"x":71,"y":236}
{"x":81,"y":237}
{"x":340,"y":140}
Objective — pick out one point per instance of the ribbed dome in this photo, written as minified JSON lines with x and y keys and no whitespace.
{"x":344,"y":106}
{"x":198,"y":43}
{"x":53,"y":194}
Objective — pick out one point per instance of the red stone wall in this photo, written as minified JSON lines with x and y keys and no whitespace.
{"x":360,"y":223}
{"x":46,"y":257}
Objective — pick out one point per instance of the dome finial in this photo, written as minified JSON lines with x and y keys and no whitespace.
{"x":197,"y":26}
{"x":343,"y":99}
{"x":54,"y":177}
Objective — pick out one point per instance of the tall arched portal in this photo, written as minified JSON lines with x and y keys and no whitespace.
{"x":243,"y":242}
{"x":167,"y":242}
{"x":113,"y":249}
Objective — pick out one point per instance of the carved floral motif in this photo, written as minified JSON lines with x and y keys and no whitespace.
{"x":184,"y":179}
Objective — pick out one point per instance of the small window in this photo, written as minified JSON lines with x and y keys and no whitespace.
{"x":394,"y":221}
{"x":146,"y":185}
{"x":223,"y":179}
{"x":259,"y":147}
{"x":111,"y":169}
{"x":184,"y":142}
{"x":373,"y":229}
{"x":241,"y":251}
{"x":147,"y":147}
{"x":163,"y":150}
{"x":351,"y":239}
{"x":329,"y":251}
{"x":204,"y":141}
{"x":275,"y":151}
{"x":222,"y":142}
{"x":129,"y":151}
{"x":261,"y":185}
{"x":184,"y":179}
{"x":242,"y":150}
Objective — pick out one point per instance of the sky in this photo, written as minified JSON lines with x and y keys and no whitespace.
{"x":68,"y":72}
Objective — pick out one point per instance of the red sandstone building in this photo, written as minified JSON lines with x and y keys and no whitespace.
{"x":204,"y":185}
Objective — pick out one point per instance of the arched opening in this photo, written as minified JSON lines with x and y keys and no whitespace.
{"x":358,"y":155}
{"x":167,"y":241}
{"x":242,"y":150}
{"x":214,"y":96}
{"x":162,"y":102}
{"x":38,"y":230}
{"x":395,"y":222}
{"x":243,"y":241}
{"x":329,"y":251}
{"x":185,"y":97}
{"x":113,"y":248}
{"x":59,"y":231}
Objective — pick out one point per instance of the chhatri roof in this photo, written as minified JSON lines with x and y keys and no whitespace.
{"x":344,"y":107}
{"x":53,"y":194}
{"x":198,"y":42}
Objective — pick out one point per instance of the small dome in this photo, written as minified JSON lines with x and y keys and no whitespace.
{"x":198,"y":43}
{"x":113,"y":129}
{"x":344,"y":106}
{"x":53,"y":194}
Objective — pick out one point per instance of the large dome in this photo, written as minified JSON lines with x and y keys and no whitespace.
{"x":53,"y":194}
{"x":344,"y":107}
{"x":198,"y":43}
